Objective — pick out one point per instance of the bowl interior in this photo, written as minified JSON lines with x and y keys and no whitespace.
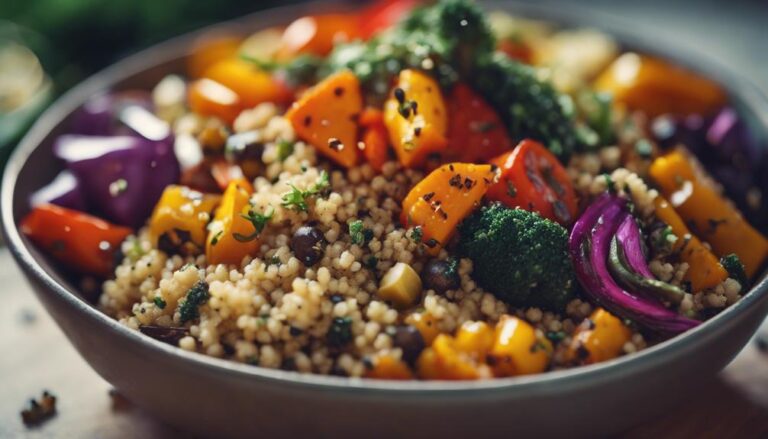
{"x":33,"y":165}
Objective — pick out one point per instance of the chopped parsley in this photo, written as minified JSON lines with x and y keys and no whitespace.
{"x":159,"y":302}
{"x":259,"y":222}
{"x":284,"y":149}
{"x":297,"y":199}
{"x":417,"y":234}
{"x":735,"y":269}
{"x":356,"y":232}
{"x":196,"y":297}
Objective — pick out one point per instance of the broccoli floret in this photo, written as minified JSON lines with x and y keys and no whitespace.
{"x":519,"y":256}
{"x":735,"y":269}
{"x":530,"y":107}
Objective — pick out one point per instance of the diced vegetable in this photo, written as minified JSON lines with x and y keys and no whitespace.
{"x":82,"y":242}
{"x":180,"y":219}
{"x":600,"y":337}
{"x":445,"y":361}
{"x":210,"y":98}
{"x":426,"y":324}
{"x":224,"y":173}
{"x":705,"y":271}
{"x":122,"y":177}
{"x":416,"y":117}
{"x":401,"y":285}
{"x":517,"y":349}
{"x":325,"y":117}
{"x":382,"y":15}
{"x":63,"y":191}
{"x":710,"y":216}
{"x":375,"y":138}
{"x":386,"y":367}
{"x":533,"y":179}
{"x":209,"y":49}
{"x":655,"y":87}
{"x":440,"y":201}
{"x":476,"y":134}
{"x":252,"y":85}
{"x":589,"y":246}
{"x":99,"y":115}
{"x":317,"y":34}
{"x":475,"y":338}
{"x":222,"y":245}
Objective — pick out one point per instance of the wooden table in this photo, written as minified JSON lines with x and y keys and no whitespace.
{"x":35,"y":355}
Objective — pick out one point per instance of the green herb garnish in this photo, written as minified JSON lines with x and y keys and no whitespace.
{"x":417,"y":234}
{"x":259,"y":222}
{"x":159,"y":302}
{"x":196,"y":296}
{"x":356,"y":232}
{"x":297,"y":199}
{"x":284,"y":149}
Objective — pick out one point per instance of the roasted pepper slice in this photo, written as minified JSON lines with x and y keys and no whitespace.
{"x":705,"y":269}
{"x":386,"y":367}
{"x":476,"y":134}
{"x":656,"y":87}
{"x":416,"y":117}
{"x":440,"y":201}
{"x":709,"y":215}
{"x":317,"y":34}
{"x":517,"y":350}
{"x":207,"y":97}
{"x":223,"y":245}
{"x":179,"y":219}
{"x":326,"y":115}
{"x":252,"y":85}
{"x":600,"y":337}
{"x":445,"y":361}
{"x":375,"y":138}
{"x":533,"y":179}
{"x":82,"y":242}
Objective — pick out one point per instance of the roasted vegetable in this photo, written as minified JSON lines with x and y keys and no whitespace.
{"x":383,"y":14}
{"x":207,"y":97}
{"x":416,"y":118}
{"x":325,"y":117}
{"x":589,"y":245}
{"x":518,"y":349}
{"x":386,"y":367}
{"x":533,"y":179}
{"x":180,"y":218}
{"x":317,"y":34}
{"x":99,"y":115}
{"x":710,"y":216}
{"x":252,"y":85}
{"x":440,"y":201}
{"x":230,"y":222}
{"x":375,"y":138}
{"x":401,"y":285}
{"x":518,"y":256}
{"x":426,"y":324}
{"x":82,"y":242}
{"x":475,"y":132}
{"x":655,"y":87}
{"x":122,"y":177}
{"x":445,"y":359}
{"x":705,"y":271}
{"x":209,"y":49}
{"x":600,"y":337}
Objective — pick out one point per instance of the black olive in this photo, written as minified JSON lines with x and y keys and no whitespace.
{"x":307,"y":245}
{"x":441,"y":276}
{"x":410,"y":341}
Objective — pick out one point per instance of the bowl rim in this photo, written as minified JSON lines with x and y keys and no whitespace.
{"x":748,"y":94}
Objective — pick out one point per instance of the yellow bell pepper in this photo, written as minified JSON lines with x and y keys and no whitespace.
{"x":517,"y":350}
{"x":385,"y":367}
{"x":222,"y":246}
{"x":600,"y":337}
{"x":445,"y":361}
{"x":426,"y":324}
{"x":416,"y":117}
{"x":656,"y":87}
{"x":182,"y":211}
{"x":711,"y":217}
{"x":705,"y":270}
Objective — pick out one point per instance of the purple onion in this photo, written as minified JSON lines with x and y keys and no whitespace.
{"x":628,"y":235}
{"x":122,"y":177}
{"x":63,"y":191}
{"x":99,"y":115}
{"x":589,"y":245}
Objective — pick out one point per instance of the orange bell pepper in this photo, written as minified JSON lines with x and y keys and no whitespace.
{"x":222,"y":245}
{"x":375,"y":138}
{"x":600,"y":337}
{"x":252,"y":85}
{"x":517,"y":350}
{"x":656,"y":87}
{"x":710,"y":216}
{"x":416,"y":117}
{"x":210,"y":49}
{"x":426,"y":324}
{"x":445,"y":361}
{"x":705,"y":270}
{"x":317,"y":34}
{"x":385,"y":367}
{"x":81,"y":242}
{"x":475,"y":132}
{"x":326,"y":117}
{"x":210,"y":98}
{"x":182,"y":210}
{"x":440,"y":201}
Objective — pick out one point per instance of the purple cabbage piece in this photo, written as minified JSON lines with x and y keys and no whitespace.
{"x":99,"y":115}
{"x":589,"y":245}
{"x":122,"y":177}
{"x":63,"y":191}
{"x":629,"y":236}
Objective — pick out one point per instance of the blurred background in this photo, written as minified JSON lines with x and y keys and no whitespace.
{"x":47,"y":46}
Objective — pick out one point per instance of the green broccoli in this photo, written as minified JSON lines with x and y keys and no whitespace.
{"x":735,"y":269}
{"x":519,"y":256}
